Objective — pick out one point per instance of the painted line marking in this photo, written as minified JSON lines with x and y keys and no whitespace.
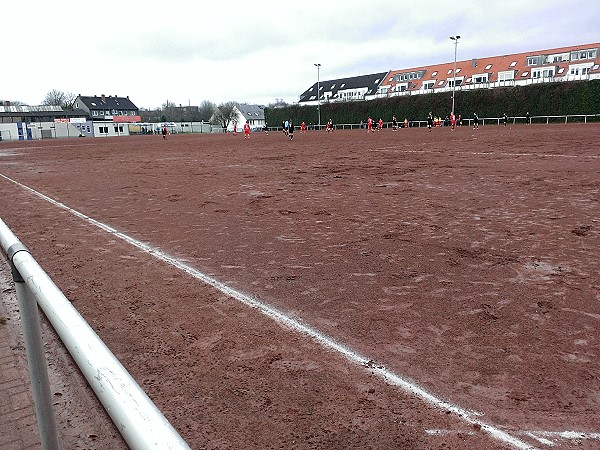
{"x":544,"y":437}
{"x":325,"y":341}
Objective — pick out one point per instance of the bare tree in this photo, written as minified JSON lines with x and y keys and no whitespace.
{"x":225,"y":113}
{"x":12,"y":103}
{"x":206,"y":110}
{"x":169,"y":111}
{"x":279,"y":103}
{"x":59,"y":98}
{"x":69,"y":100}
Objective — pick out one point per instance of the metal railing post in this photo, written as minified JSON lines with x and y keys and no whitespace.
{"x":38,"y":369}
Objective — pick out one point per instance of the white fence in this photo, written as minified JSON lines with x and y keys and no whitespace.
{"x":573,"y":118}
{"x":138,"y":420}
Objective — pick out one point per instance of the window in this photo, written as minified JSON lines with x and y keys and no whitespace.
{"x":434,"y":74}
{"x":542,"y":73}
{"x":343,"y":84}
{"x":480,"y":78}
{"x":513,"y":64}
{"x":580,"y":69}
{"x":332,"y":86}
{"x":488,"y":67}
{"x":94,"y":113}
{"x":457,"y":71}
{"x":506,"y":75}
{"x":585,"y":54}
{"x":449,"y":72}
{"x":533,"y":60}
{"x":524,"y":74}
{"x":103,"y":130}
{"x":428,"y":84}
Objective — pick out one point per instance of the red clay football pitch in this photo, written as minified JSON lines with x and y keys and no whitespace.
{"x":412,"y":289}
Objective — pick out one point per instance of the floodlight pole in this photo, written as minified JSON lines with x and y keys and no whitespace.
{"x":455,"y":39}
{"x":318,"y":66}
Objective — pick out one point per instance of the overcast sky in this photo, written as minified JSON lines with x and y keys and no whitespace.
{"x":189,"y":51}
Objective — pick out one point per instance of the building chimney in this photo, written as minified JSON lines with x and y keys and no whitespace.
{"x":474,"y":62}
{"x":103,"y":98}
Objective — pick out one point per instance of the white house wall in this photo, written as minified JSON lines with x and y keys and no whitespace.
{"x":110,"y":129}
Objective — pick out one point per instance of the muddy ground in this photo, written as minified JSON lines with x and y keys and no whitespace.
{"x":465,"y":262}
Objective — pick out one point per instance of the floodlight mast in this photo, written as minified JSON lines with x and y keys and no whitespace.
{"x":318,"y":66}
{"x":455,"y":39}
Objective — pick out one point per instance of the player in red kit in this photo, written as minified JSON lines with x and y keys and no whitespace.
{"x":246,"y":130}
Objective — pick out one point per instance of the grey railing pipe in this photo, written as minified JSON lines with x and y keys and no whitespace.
{"x":137,"y":418}
{"x":36,"y":359}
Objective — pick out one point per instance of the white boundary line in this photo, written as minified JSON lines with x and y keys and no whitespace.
{"x":325,"y":341}
{"x":540,"y":436}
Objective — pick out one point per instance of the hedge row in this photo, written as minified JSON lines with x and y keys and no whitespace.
{"x":564,"y":98}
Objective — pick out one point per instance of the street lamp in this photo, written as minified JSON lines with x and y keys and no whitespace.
{"x":318,"y":66}
{"x":455,"y":39}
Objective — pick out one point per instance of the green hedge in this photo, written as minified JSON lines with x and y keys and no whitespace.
{"x":544,"y":99}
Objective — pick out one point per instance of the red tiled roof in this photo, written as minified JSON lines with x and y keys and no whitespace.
{"x":441,"y":73}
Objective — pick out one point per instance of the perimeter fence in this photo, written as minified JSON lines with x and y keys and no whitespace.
{"x":517,"y":120}
{"x":121,"y":129}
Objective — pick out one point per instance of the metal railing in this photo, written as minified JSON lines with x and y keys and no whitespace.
{"x":136,"y":417}
{"x":570,"y":118}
